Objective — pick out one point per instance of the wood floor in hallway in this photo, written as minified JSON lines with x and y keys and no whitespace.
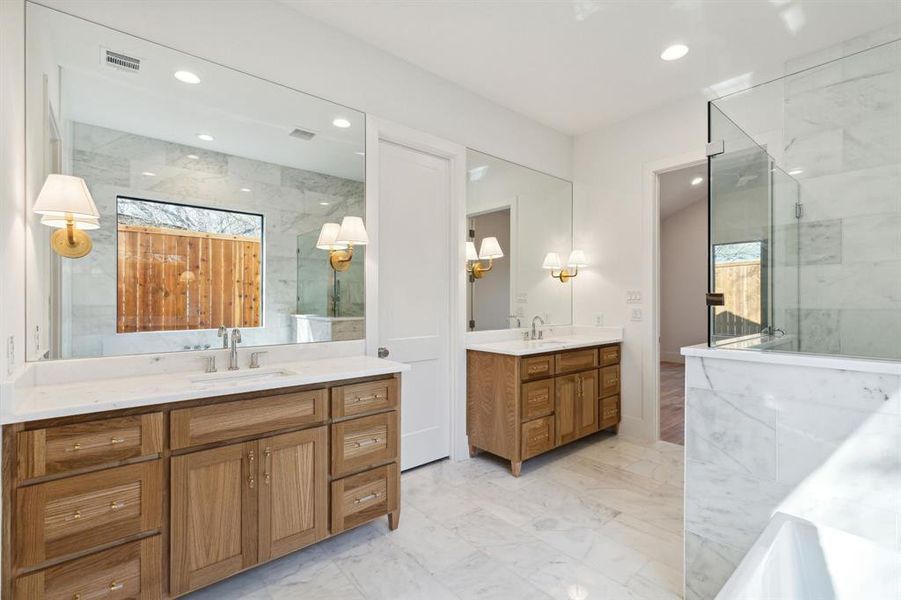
{"x":672,"y":402}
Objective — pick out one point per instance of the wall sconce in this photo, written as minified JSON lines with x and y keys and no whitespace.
{"x":489,"y":250}
{"x":339,"y":240}
{"x":65,"y":204}
{"x":552,"y":263}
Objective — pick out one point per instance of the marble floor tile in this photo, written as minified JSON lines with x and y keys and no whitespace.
{"x":599,"y":519}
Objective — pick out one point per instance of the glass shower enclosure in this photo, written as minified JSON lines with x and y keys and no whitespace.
{"x":805,"y":209}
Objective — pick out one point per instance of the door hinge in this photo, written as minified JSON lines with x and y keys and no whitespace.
{"x":716,"y":299}
{"x":799,"y":210}
{"x":472,"y":234}
{"x":714,"y":148}
{"x":472,"y":324}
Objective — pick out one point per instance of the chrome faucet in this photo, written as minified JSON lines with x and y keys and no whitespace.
{"x":233,"y":355}
{"x":223,"y":333}
{"x":537,"y":334}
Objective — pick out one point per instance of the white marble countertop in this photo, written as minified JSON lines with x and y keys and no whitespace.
{"x":797,"y":359}
{"x":36,"y":402}
{"x":553,"y":343}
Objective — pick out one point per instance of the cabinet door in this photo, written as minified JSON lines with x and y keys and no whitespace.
{"x":293,"y":509}
{"x":213,"y":520}
{"x":577,"y":406}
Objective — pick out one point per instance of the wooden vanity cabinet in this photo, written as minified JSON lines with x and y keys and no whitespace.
{"x":107,"y":506}
{"x":520,"y":407}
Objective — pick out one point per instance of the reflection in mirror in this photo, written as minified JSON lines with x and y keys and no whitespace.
{"x":210,"y":190}
{"x":516,"y":217}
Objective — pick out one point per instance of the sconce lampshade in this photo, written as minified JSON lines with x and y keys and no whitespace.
{"x":471,"y":251}
{"x":353,"y":232}
{"x":328,"y":237}
{"x":577,"y":259}
{"x":64,"y":195}
{"x":552,"y":261}
{"x":490,"y":249}
{"x":59,"y":222}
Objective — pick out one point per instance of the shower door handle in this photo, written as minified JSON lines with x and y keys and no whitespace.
{"x":716,"y":299}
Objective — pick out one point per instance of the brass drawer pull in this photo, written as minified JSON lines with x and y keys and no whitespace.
{"x":116,"y":505}
{"x":115,"y":440}
{"x":367,"y":442}
{"x":76,"y":447}
{"x":76,"y":515}
{"x":251,"y":481}
{"x":537,"y":368}
{"x":267,"y":475}
{"x":371,"y":496}
{"x":115,"y":585}
{"x":369,"y":398}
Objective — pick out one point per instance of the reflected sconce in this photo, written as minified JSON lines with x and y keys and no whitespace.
{"x":66,"y":205}
{"x":552,"y":263}
{"x":489,"y":250}
{"x":339,"y":240}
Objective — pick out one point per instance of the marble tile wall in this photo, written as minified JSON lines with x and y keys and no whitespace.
{"x":293,"y":202}
{"x":820,"y":443}
{"x":842,"y":128}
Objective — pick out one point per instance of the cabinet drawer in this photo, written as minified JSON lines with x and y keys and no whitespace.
{"x":363,"y":442}
{"x":537,"y":399}
{"x":363,"y":497}
{"x":609,"y":414}
{"x":57,"y":450}
{"x":129,"y":572}
{"x":361,"y":398}
{"x":609,"y":355}
{"x":71,"y":515}
{"x":609,"y":381}
{"x":230,"y":420}
{"x":536,"y":367}
{"x":577,"y":360}
{"x":537,"y":437}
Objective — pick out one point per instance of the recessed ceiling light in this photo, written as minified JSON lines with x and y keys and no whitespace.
{"x":796,"y":171}
{"x":205,"y":137}
{"x":341,"y":122}
{"x":148,"y":174}
{"x":192,"y":156}
{"x":187,"y":77}
{"x":674,"y":52}
{"x":697,"y":180}
{"x":245,"y":189}
{"x":324,"y":203}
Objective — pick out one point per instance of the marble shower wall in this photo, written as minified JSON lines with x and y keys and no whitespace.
{"x":821,"y":443}
{"x":293,"y":202}
{"x":842,"y":126}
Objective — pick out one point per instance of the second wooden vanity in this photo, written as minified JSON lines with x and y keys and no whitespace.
{"x":157,"y":501}
{"x":518,"y":407}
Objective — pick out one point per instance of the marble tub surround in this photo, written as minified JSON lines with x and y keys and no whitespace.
{"x":814,"y":437}
{"x":294,"y":204}
{"x":32,"y":399}
{"x":601,"y":519}
{"x":510,"y":341}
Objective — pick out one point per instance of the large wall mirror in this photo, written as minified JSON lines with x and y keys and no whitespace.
{"x":169,"y":197}
{"x":520,"y":245}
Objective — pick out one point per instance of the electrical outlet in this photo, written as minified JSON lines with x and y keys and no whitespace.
{"x":636,"y":314}
{"x":599,"y":319}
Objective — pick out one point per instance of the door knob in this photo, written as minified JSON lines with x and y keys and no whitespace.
{"x":383,"y":353}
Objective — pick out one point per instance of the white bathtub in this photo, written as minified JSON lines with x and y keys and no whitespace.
{"x":794,"y":559}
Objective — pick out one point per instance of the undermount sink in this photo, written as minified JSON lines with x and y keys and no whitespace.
{"x":249,"y":375}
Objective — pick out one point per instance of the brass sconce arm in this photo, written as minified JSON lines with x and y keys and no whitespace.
{"x":565,"y":274}
{"x":340,"y":259}
{"x":477,"y":270}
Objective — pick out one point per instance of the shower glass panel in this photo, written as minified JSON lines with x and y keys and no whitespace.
{"x":805,"y":208}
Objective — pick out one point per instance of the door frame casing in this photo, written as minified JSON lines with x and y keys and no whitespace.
{"x":651,"y":351}
{"x":379,"y":130}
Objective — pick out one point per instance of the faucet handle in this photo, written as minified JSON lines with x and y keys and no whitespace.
{"x":255,"y":358}
{"x":223,"y":333}
{"x":210,"y":363}
{"x":236,"y":335}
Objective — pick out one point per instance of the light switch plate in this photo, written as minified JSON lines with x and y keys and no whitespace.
{"x":636,"y":314}
{"x":599,"y":319}
{"x":633,"y":296}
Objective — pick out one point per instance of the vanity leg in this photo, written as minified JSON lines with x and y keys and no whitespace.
{"x":393,"y":519}
{"x":473,"y":451}
{"x":515,"y":467}
{"x":615,"y":429}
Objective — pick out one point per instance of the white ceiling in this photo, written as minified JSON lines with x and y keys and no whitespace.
{"x":677,"y":192}
{"x":247,"y":116}
{"x":577,"y":64}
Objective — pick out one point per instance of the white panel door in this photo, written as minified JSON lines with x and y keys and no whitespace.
{"x":414,"y":295}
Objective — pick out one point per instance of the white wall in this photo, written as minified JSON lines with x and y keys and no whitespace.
{"x":614,"y":223}
{"x":270,"y":40}
{"x":683,"y":280}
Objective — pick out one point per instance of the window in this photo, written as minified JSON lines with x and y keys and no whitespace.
{"x":187,"y":267}
{"x":739,"y":275}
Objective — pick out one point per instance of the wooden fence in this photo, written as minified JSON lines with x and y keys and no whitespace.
{"x":740,"y":282}
{"x":170,"y":279}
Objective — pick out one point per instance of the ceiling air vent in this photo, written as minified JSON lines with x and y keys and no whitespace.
{"x":302,"y":134}
{"x":120,"y":61}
